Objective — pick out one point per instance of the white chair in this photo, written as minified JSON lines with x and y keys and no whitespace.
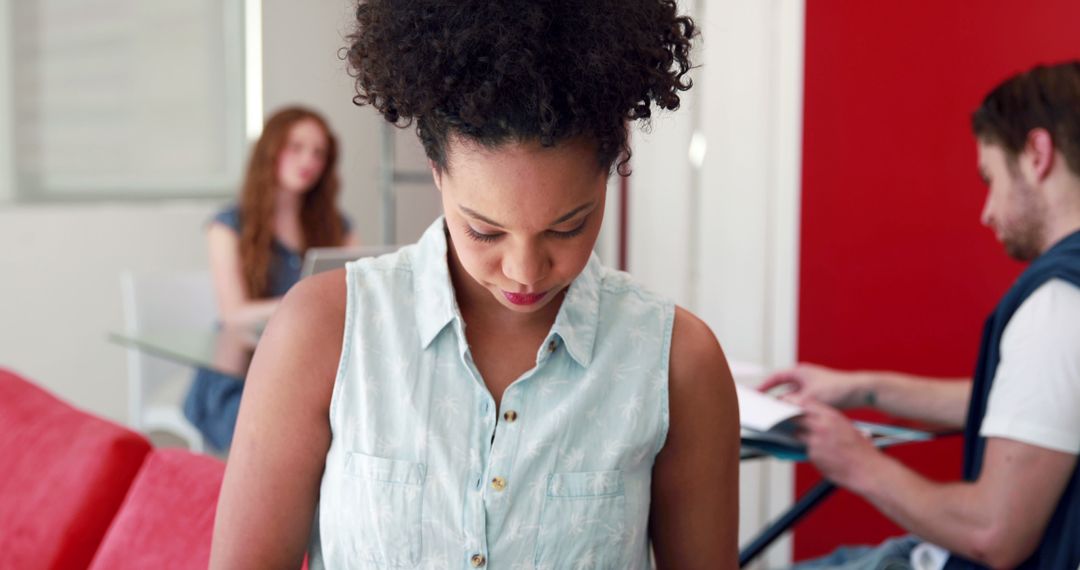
{"x":156,"y":387}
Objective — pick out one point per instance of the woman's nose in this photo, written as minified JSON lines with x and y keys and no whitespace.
{"x":527,"y":265}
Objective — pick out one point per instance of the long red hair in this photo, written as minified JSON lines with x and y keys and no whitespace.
{"x":319,"y":216}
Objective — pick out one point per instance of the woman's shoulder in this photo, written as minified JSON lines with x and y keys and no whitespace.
{"x":346,"y":223}
{"x":618,"y":291}
{"x":693,"y":333}
{"x":386,"y":286}
{"x":314,"y":313}
{"x":696,"y":355}
{"x":229,"y":216}
{"x":394,"y":264}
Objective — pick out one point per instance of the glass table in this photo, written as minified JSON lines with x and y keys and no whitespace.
{"x":227,"y":349}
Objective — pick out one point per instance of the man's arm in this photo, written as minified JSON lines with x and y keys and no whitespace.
{"x":998,"y":520}
{"x":935,"y":400}
{"x":940,"y":401}
{"x":694,"y":518}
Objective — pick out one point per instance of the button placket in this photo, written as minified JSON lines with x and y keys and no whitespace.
{"x":500,"y":471}
{"x":482,"y":432}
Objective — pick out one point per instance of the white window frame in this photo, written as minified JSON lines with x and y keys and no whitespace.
{"x":7,"y":116}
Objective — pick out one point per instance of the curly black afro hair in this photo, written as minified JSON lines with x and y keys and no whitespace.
{"x":498,"y":71}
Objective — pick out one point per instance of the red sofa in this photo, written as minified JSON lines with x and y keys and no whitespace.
{"x":77,"y":491}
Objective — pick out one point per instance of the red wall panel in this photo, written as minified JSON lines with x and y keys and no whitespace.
{"x":896,"y":271}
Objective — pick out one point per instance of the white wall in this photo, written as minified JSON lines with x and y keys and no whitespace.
{"x":60,"y":289}
{"x":720,"y":236}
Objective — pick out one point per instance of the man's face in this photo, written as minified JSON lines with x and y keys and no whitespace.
{"x":1014,"y":209}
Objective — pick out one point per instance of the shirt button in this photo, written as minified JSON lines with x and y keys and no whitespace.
{"x":551,"y":346}
{"x":510,"y":416}
{"x":498,"y":483}
{"x":478,"y":560}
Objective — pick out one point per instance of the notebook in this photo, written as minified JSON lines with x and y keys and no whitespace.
{"x":770,"y":425}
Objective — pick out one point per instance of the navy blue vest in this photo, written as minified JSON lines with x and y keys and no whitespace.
{"x":1060,"y":545}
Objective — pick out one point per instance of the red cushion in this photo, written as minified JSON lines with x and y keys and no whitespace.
{"x":167,"y":520}
{"x":63,"y":476}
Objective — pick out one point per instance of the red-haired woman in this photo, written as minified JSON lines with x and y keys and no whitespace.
{"x":287,"y":204}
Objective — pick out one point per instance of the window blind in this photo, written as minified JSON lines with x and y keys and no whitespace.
{"x":127,"y":97}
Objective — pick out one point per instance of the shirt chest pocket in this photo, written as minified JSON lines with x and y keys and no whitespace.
{"x":583,"y":524}
{"x":386,"y":498}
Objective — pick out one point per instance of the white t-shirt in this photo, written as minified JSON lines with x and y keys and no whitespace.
{"x":1035,"y":398}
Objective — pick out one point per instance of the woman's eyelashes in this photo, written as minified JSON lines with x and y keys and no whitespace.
{"x":480,"y":237}
{"x":571,"y":233}
{"x":491,"y":237}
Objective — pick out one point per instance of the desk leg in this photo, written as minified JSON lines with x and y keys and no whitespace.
{"x":797,"y":511}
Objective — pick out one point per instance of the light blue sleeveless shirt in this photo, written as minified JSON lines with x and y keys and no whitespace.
{"x":424,"y":472}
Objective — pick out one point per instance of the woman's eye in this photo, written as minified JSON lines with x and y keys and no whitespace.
{"x":491,"y":237}
{"x":570,"y":233}
{"x":481,"y":237}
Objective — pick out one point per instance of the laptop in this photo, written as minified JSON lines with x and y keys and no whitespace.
{"x":319,"y":259}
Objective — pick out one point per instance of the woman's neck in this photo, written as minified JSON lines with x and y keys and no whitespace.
{"x":287,"y":204}
{"x":287,"y":226}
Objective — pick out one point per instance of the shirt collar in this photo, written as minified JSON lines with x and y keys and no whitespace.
{"x":578,"y":316}
{"x":435,"y":305}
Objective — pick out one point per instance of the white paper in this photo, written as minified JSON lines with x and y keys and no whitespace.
{"x":763,"y":412}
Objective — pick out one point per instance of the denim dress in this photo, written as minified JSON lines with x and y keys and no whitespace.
{"x":424,"y":472}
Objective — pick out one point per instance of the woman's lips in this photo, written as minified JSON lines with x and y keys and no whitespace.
{"x":524,"y":298}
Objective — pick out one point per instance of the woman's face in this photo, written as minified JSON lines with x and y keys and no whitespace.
{"x":303,"y":158}
{"x":522,"y":218}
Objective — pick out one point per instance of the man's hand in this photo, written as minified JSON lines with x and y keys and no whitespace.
{"x":834,"y":445}
{"x":812,"y":382}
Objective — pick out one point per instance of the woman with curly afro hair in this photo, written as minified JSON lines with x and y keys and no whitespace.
{"x":492,"y":396}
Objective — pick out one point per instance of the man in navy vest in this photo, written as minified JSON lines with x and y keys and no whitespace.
{"x":1019,"y":502}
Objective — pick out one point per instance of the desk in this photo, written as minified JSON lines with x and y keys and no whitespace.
{"x":226,"y":350}
{"x":812,"y":498}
